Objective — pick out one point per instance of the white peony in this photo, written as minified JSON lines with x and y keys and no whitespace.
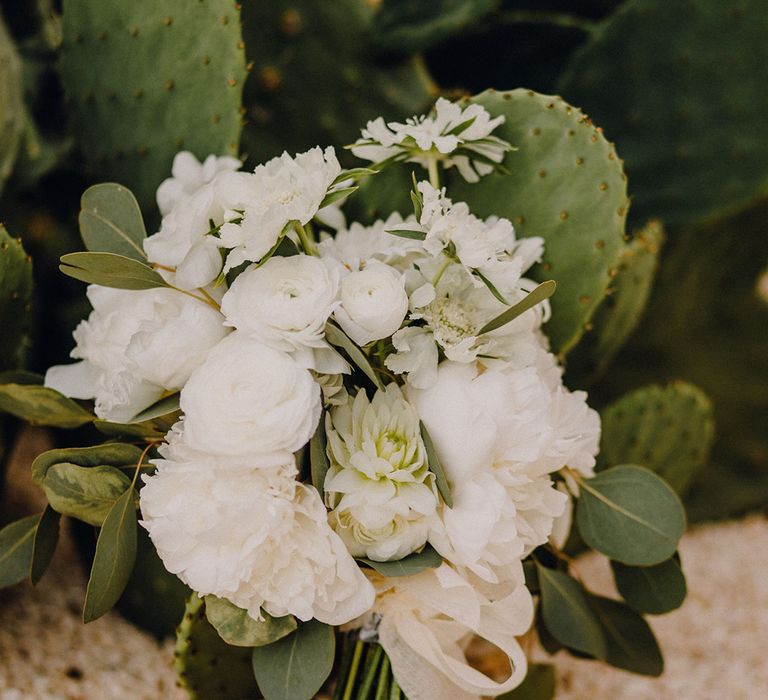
{"x":379,"y":485}
{"x":454,"y":135}
{"x":252,"y":535}
{"x":249,"y":399}
{"x":373,"y":303}
{"x":135,"y":347}
{"x":188,"y":176}
{"x":260,"y":205}
{"x":285,"y":304}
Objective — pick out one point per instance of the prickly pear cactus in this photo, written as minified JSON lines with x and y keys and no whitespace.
{"x":681,"y":87}
{"x":315,"y":78}
{"x":15,"y":301}
{"x":666,"y":429}
{"x":566,"y":184}
{"x":145,"y":79}
{"x":621,"y":311}
{"x":206,"y":666}
{"x":11,"y":104}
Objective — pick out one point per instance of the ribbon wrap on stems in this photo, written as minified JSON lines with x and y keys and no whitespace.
{"x":427,"y":619}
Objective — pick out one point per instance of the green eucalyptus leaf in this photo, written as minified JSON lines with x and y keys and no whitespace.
{"x":111,"y":270}
{"x":163,"y":407}
{"x":114,"y":454}
{"x":85,"y":493}
{"x":236,"y":627}
{"x":42,"y":406}
{"x":631,"y":644}
{"x":631,"y":515}
{"x":16,"y":546}
{"x":407,"y":233}
{"x":45,"y":540}
{"x":295,"y":667}
{"x":335,"y":336}
{"x":114,"y":558}
{"x":111,"y":222}
{"x":427,"y":558}
{"x":655,"y":589}
{"x":567,"y":614}
{"x":542,"y":292}
{"x":318,"y":457}
{"x":539,"y":684}
{"x":436,"y":467}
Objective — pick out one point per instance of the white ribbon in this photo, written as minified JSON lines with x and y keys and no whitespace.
{"x":428,"y":617}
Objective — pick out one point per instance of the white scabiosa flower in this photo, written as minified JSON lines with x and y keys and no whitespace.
{"x":250,"y":399}
{"x":285,"y":304}
{"x":415,"y":355}
{"x":259,"y":205}
{"x":136,"y":346}
{"x":455,"y":135}
{"x":373,"y":302}
{"x":252,"y":535}
{"x":379,"y":486}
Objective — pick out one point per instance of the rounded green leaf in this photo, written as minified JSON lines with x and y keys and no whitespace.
{"x":42,"y":406}
{"x":427,"y":558}
{"x":567,"y":615}
{"x":295,"y":667}
{"x":114,"y":454}
{"x":111,"y":222}
{"x":565,"y":184}
{"x":235,"y":626}
{"x":16,"y":545}
{"x":651,"y":589}
{"x":630,"y":515}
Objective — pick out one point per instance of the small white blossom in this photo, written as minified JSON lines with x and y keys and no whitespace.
{"x":379,"y":485}
{"x":135,"y":347}
{"x":454,"y":135}
{"x":415,"y":355}
{"x":285,"y":304}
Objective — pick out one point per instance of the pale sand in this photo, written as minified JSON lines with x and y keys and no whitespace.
{"x":715,"y":646}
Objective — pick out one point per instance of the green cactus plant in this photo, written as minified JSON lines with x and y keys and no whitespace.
{"x":169,"y":77}
{"x":666,"y":429}
{"x":206,"y":666}
{"x":566,"y":184}
{"x":314,"y":79}
{"x":11,"y":104}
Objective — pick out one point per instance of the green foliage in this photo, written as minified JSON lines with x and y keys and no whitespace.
{"x":44,"y":545}
{"x":114,"y":558}
{"x":681,"y":87}
{"x":621,"y":311}
{"x":314,"y":79}
{"x":112,"y":454}
{"x":427,"y":558}
{"x":16,"y":546}
{"x":651,"y":589}
{"x":630,"y":515}
{"x":666,"y":429}
{"x":539,"y":684}
{"x":436,"y":467}
{"x":15,"y":295}
{"x":146,"y":79}
{"x":236,"y":627}
{"x":566,"y":184}
{"x":295,"y":667}
{"x":335,"y":336}
{"x":318,"y":457}
{"x":111,"y":222}
{"x":11,"y":104}
{"x":111,"y":270}
{"x":206,"y":666}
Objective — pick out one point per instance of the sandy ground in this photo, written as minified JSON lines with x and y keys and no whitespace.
{"x":715,"y":645}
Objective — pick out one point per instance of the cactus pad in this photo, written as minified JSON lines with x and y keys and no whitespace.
{"x":566,"y":184}
{"x":11,"y":104}
{"x":681,"y":87}
{"x":206,"y":666}
{"x":666,"y":429}
{"x":146,"y":79}
{"x":15,"y":301}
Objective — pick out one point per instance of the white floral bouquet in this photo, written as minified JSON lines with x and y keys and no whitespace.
{"x":352,"y":442}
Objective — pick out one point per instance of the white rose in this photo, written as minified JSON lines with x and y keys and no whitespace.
{"x":136,"y":346}
{"x":252,"y":535}
{"x":379,"y":484}
{"x":285,"y":304}
{"x":373,"y":303}
{"x":249,"y":399}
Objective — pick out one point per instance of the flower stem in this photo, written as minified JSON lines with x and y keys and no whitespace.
{"x":372,"y":664}
{"x":353,"y":671}
{"x":434,"y":175}
{"x":383,"y":687}
{"x":306,"y":241}
{"x":441,"y":270}
{"x":208,"y":301}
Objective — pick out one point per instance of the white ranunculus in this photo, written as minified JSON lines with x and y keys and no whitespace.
{"x":260,"y":204}
{"x":251,"y":535}
{"x":379,"y":486}
{"x":285,"y":304}
{"x":188,"y":176}
{"x":136,"y":346}
{"x":373,"y":303}
{"x":249,"y":399}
